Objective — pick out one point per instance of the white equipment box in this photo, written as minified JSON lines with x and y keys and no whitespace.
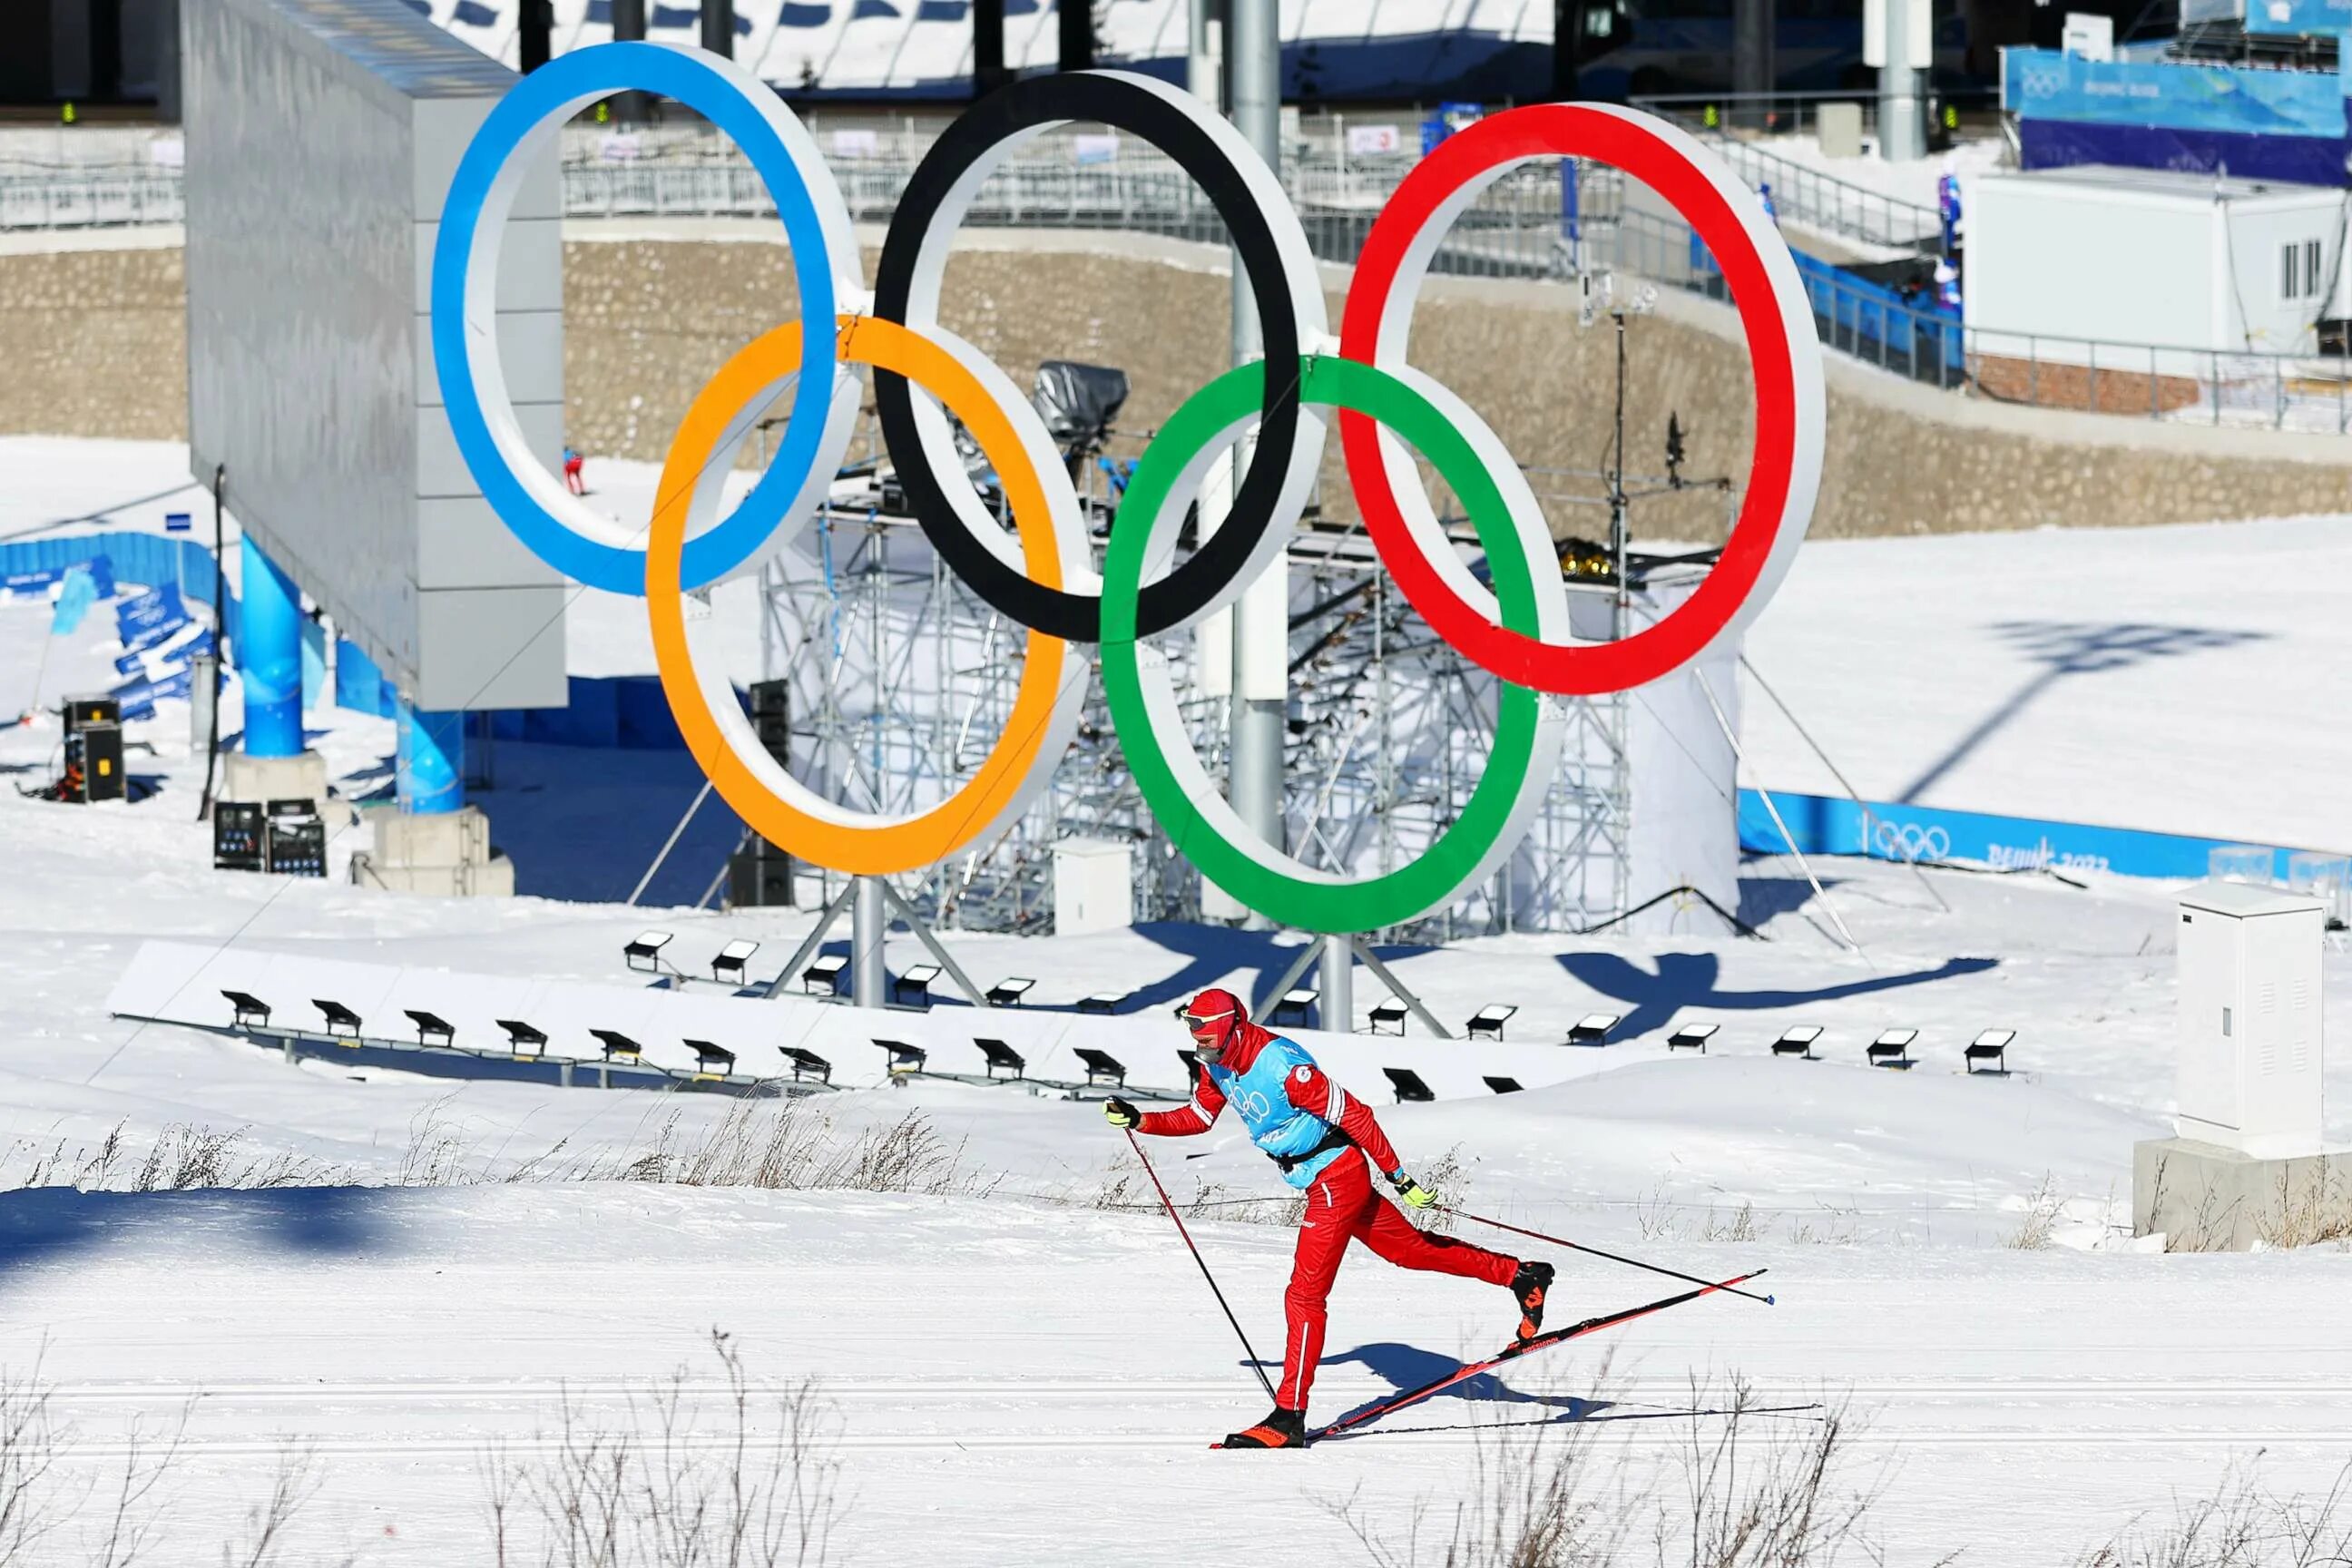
{"x":2251,"y":1043}
{"x":1093,"y":887}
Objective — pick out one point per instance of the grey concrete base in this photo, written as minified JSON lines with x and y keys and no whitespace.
{"x":448,"y":854}
{"x":261,"y":780}
{"x":2205,"y":1198}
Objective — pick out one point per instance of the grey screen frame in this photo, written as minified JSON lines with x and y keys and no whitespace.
{"x":322,"y":135}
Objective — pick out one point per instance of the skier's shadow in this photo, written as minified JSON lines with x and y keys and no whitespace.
{"x":1404,"y":1366}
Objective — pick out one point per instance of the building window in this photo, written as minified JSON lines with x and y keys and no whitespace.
{"x":2299,"y":270}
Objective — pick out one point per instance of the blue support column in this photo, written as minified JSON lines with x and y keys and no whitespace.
{"x":269,"y":656}
{"x":430,"y":775}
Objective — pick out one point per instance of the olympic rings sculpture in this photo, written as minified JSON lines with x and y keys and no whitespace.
{"x":1041,"y":575}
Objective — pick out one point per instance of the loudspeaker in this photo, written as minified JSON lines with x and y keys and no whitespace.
{"x":93,"y":762}
{"x":772,"y":718}
{"x":759,"y":876}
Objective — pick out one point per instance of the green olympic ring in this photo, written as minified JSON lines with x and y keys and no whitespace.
{"x":1189,"y":807}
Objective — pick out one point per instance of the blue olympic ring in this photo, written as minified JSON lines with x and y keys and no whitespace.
{"x":557,"y":89}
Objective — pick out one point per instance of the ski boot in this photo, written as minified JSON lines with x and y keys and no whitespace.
{"x":1282,"y":1429}
{"x":1528,"y":1285}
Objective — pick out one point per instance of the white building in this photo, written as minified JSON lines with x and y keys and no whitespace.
{"x":2184,"y":261}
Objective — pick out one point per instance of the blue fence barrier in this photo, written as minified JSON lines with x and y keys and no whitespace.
{"x":1827,"y":825}
{"x":151,"y":560}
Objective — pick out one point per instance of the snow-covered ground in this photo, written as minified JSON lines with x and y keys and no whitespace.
{"x":1016,"y":1360}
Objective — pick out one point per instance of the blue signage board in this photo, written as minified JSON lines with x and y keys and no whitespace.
{"x":1927,"y":834}
{"x":2042,"y":84}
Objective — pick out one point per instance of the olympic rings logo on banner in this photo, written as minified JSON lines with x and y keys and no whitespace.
{"x":1515,"y":624}
{"x":1910,"y":841}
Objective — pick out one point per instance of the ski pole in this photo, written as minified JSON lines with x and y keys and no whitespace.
{"x":1613,"y":1257}
{"x":1255,"y":1365}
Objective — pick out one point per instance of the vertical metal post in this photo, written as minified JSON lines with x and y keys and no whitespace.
{"x":1076,"y":18}
{"x":1566,"y":39}
{"x":1261,"y":649}
{"x":1902,"y":130}
{"x":717,"y":26}
{"x":629,"y":25}
{"x":534,"y":28}
{"x":868,"y":919}
{"x":1339,"y":984}
{"x":1753,"y":73}
{"x":988,"y":72}
{"x":1201,"y":71}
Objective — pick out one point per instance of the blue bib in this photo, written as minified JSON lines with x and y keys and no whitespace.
{"x":1277,"y":1126}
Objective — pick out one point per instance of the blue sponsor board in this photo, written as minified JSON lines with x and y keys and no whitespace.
{"x":2042,"y":84}
{"x":1826,"y":824}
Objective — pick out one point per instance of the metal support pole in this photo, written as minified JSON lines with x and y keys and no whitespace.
{"x":1731,"y":736}
{"x":1261,"y":621}
{"x":1413,"y":1003}
{"x":972,"y":993}
{"x":1902,"y":111}
{"x":1264,"y":1004}
{"x":988,"y":72}
{"x":1339,"y":985}
{"x":869,"y":920}
{"x":1077,"y":40}
{"x":815,"y":938}
{"x":629,"y":24}
{"x":719,"y":27}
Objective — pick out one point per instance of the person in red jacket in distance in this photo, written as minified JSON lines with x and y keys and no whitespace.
{"x":1328,"y":1145}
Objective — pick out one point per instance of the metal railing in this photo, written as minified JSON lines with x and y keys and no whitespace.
{"x":1515,"y":230}
{"x":2306,"y":392}
{"x":102,"y":198}
{"x":1801,"y":193}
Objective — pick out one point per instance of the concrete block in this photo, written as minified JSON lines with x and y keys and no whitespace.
{"x":2205,"y":1198}
{"x":446,"y":853}
{"x":261,"y":780}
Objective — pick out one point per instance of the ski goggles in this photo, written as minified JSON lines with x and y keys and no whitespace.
{"x":1511,"y":619}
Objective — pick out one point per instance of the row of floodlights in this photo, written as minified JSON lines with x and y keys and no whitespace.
{"x":912,"y":988}
{"x":1890,"y":1048}
{"x":250,"y":1013}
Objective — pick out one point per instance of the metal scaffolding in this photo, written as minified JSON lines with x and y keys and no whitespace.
{"x":900,"y":679}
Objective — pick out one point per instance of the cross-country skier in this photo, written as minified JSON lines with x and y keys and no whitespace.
{"x":1328,"y":1146}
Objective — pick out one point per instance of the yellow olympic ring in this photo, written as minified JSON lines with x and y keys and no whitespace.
{"x":769,"y":801}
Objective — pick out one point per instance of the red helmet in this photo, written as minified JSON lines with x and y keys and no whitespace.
{"x":1212,"y":1017}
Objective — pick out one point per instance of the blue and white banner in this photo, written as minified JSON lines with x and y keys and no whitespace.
{"x":2042,"y":84}
{"x":1927,"y":834}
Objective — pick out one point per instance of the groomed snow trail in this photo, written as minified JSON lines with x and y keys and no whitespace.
{"x":1009,"y":1376}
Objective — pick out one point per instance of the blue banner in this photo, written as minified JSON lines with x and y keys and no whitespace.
{"x":2042,"y":84}
{"x":1925,"y":834}
{"x":74,"y":600}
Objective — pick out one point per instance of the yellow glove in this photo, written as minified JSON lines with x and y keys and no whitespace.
{"x":1412,"y":1193}
{"x":1120,"y":1113}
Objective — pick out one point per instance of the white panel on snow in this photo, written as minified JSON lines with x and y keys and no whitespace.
{"x":2249,"y":1019}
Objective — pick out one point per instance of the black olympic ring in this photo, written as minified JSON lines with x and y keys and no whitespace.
{"x":1135,"y":106}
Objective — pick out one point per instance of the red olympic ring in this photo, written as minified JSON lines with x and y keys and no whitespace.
{"x":1785,"y":471}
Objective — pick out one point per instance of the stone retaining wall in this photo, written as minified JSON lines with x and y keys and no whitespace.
{"x":93,"y":343}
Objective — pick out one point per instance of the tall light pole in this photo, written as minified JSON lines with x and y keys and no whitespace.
{"x":1261,"y":619}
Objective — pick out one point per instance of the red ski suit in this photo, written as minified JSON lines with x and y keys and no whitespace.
{"x":1342,"y":1205}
